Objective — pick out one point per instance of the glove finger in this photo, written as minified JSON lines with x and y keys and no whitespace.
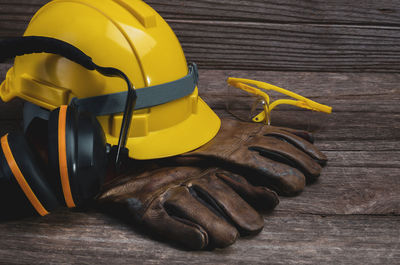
{"x":180,"y":203}
{"x":259,"y":197}
{"x":309,"y":137}
{"x":284,"y":152}
{"x":300,"y":143}
{"x":174,"y":228}
{"x":262,"y":171}
{"x":228,"y":203}
{"x":156,"y":221}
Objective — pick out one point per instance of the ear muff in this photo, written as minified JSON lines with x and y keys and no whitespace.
{"x":77,"y":149}
{"x":77,"y":155}
{"x":24,"y":188}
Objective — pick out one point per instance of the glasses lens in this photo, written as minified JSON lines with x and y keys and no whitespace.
{"x":249,"y":107}
{"x":243,"y":105}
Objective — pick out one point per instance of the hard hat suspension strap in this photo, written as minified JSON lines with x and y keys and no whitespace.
{"x":146,"y":97}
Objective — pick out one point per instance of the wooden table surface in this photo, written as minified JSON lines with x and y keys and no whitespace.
{"x":341,"y":53}
{"x":350,"y":216}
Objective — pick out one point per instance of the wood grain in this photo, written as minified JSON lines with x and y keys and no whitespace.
{"x":301,"y":47}
{"x":263,"y":35}
{"x":347,"y":92}
{"x":92,"y":238}
{"x":365,"y":105}
{"x":351,"y":215}
{"x":335,"y":86}
{"x":343,"y":190}
{"x":366,"y":127}
{"x":385,"y":12}
{"x":286,"y":11}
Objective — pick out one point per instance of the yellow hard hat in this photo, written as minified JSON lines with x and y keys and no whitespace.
{"x":130,"y":36}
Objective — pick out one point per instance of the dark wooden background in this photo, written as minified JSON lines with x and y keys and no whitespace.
{"x":341,"y":53}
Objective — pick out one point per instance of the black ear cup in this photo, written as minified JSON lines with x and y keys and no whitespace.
{"x":24,"y":189}
{"x":77,"y":155}
{"x":77,"y":149}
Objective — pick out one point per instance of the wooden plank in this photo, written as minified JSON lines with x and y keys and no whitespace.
{"x":343,"y":127}
{"x":351,"y":92}
{"x":351,"y":214}
{"x":347,"y":92}
{"x":335,"y":86}
{"x":365,"y":105}
{"x":365,"y":159}
{"x":289,"y":47}
{"x":273,"y":45}
{"x":257,"y":46}
{"x":311,"y":84}
{"x":353,"y":145}
{"x":286,"y":239}
{"x":358,"y":105}
{"x":349,"y":190}
{"x":369,"y":12}
{"x":325,"y":12}
{"x":360,"y":147}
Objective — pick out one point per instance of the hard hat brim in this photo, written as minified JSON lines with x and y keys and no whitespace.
{"x":188,"y":135}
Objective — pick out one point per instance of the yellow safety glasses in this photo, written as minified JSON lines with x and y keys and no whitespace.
{"x":260,"y":110}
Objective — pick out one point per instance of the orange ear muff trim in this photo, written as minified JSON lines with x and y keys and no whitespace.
{"x":20,"y":178}
{"x":62,"y":157}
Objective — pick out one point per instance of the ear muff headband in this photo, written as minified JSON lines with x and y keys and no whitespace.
{"x":20,"y":178}
{"x":62,"y":157}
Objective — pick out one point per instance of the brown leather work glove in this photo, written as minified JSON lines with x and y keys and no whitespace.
{"x":281,"y":159}
{"x":191,"y":206}
{"x":207,"y":208}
